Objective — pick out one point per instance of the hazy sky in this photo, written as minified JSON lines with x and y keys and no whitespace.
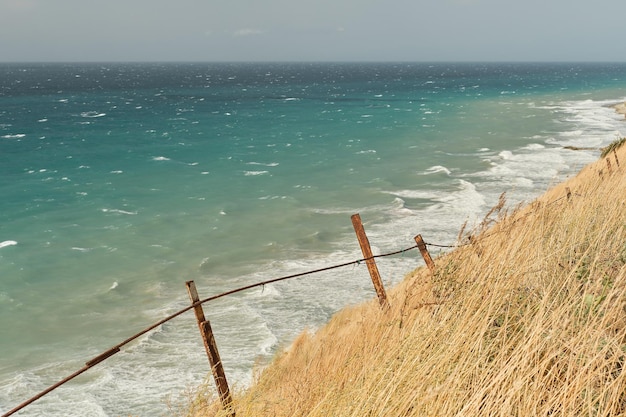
{"x":312,"y":30}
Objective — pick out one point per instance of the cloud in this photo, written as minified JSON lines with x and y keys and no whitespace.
{"x":248,"y":32}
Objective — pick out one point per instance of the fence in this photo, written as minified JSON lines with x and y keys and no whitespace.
{"x":205,"y":326}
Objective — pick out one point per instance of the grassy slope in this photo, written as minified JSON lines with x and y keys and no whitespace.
{"x":527,"y":319}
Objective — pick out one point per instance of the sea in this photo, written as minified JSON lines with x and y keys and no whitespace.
{"x":120,"y":182}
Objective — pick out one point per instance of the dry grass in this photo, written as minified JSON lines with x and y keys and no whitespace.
{"x":527,"y":319}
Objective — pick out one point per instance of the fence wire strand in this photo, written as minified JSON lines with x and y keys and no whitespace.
{"x":117,"y":348}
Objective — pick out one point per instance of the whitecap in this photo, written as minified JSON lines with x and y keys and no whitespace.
{"x":332,"y":211}
{"x":118,"y":211}
{"x":399,"y":207}
{"x":114,"y":286}
{"x":255,"y":173}
{"x":506,"y":155}
{"x":534,"y":146}
{"x":7,"y":243}
{"x":414,"y":194}
{"x":17,"y":136}
{"x":269,"y":290}
{"x":42,"y":120}
{"x":160,"y":158}
{"x":436,"y":169}
{"x":117,"y":172}
{"x":92,"y":114}
{"x":79,"y":249}
{"x":265,"y":346}
{"x":465,"y":197}
{"x":271,"y":164}
{"x":273,"y":197}
{"x":366,"y":152}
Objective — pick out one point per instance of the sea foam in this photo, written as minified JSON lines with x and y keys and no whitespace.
{"x":7,"y":243}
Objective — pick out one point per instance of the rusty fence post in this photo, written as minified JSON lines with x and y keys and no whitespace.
{"x":421,"y":245}
{"x":369,"y":260}
{"x":211,"y":349}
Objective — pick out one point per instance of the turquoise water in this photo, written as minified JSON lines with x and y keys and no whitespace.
{"x":122,"y":181}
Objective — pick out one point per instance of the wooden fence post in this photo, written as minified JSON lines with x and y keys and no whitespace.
{"x":211,"y":349}
{"x":369,"y":260}
{"x":421,"y":245}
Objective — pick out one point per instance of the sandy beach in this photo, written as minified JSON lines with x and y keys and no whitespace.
{"x":620,"y":108}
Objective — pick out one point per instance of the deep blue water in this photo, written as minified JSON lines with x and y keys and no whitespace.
{"x":119,"y":182}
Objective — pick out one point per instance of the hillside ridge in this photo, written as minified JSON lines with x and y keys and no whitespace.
{"x":526,"y":317}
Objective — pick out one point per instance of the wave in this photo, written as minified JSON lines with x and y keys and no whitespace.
{"x":92,"y":114}
{"x":436,"y":170}
{"x":255,"y":173}
{"x":534,"y":147}
{"x":464,"y":197}
{"x":118,"y":211}
{"x":79,"y":249}
{"x":271,"y":164}
{"x":7,"y":243}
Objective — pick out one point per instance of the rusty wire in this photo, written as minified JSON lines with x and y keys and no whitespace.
{"x":117,"y":348}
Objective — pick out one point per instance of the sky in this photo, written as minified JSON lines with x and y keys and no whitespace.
{"x":311,"y":30}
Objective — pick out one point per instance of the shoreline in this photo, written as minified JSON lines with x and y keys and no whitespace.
{"x":494,"y":167}
{"x":620,"y":108}
{"x":311,"y":355}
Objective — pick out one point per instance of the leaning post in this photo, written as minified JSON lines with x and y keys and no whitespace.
{"x":211,"y":349}
{"x":421,"y":245}
{"x":369,"y":260}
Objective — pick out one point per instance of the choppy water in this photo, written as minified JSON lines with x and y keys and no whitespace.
{"x":121,"y":182}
